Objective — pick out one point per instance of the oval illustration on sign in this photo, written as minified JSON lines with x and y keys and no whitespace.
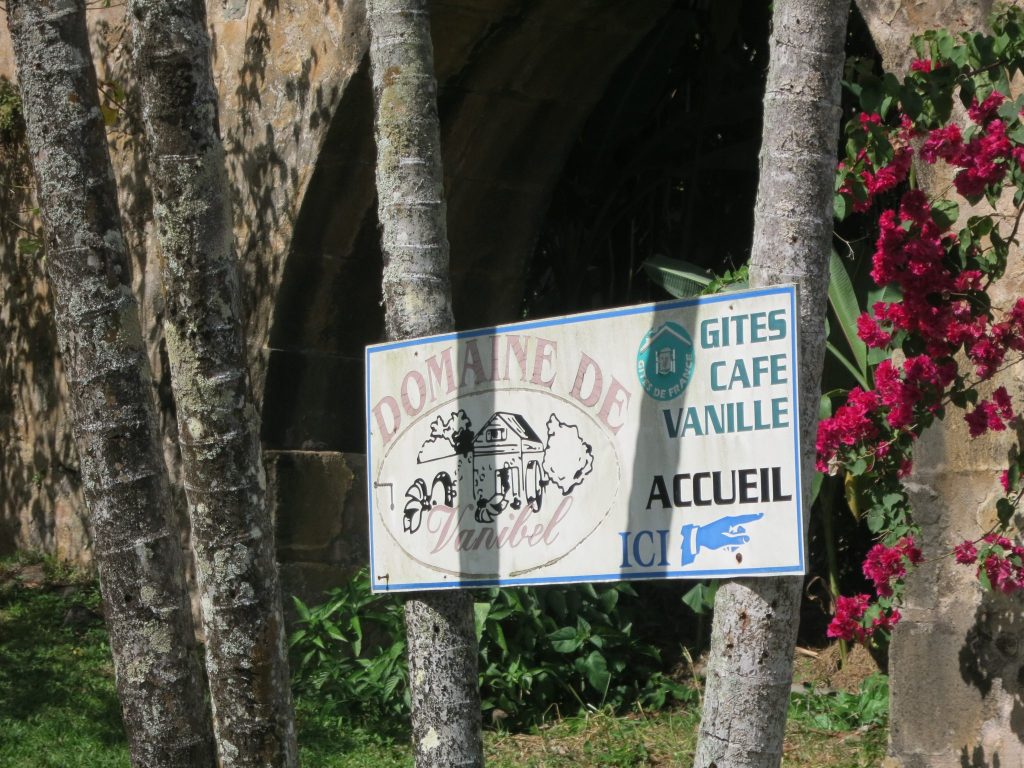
{"x":482,"y":490}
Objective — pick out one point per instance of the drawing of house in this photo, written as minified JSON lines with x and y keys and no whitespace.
{"x":507,"y":459}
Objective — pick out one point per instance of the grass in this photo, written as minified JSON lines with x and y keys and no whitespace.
{"x":58,"y":706}
{"x":57,"y":700}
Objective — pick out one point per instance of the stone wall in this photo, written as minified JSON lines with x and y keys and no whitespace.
{"x":518,"y":80}
{"x":957,"y":656}
{"x":319,"y":503}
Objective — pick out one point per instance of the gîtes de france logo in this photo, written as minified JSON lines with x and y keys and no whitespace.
{"x":664,"y":362}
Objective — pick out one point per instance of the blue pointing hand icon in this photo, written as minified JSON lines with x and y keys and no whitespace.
{"x":727,"y":533}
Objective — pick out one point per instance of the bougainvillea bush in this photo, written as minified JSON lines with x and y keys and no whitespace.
{"x":941,"y":334}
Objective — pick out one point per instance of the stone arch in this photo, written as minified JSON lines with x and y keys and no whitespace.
{"x":518,"y":81}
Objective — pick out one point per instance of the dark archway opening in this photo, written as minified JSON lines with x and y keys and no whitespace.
{"x":666,"y":165}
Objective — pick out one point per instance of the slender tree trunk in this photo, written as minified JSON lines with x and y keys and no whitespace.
{"x":137,"y":551}
{"x":755,"y":621}
{"x":417,"y":302}
{"x":232,"y":533}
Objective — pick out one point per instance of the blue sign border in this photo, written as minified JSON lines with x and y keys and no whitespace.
{"x":638,"y":309}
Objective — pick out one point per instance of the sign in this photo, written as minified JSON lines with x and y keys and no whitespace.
{"x":655,"y":441}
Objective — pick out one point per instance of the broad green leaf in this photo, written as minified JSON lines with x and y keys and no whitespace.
{"x":565,"y":640}
{"x":556,"y":602}
{"x":679,"y":278}
{"x":945,"y":213}
{"x":1004,"y":511}
{"x":839,"y":206}
{"x":597,"y":672}
{"x":876,"y":520}
{"x":480,"y":613}
{"x":608,"y":600}
{"x":844,"y":303}
{"x":301,"y":609}
{"x":841,"y":358}
{"x":695,"y":598}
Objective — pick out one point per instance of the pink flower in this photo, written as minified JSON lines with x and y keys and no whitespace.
{"x":984,"y":417}
{"x":968,"y":280}
{"x":870,"y":333}
{"x":1003,"y":404}
{"x":846,"y":624}
{"x":1002,"y":574}
{"x":943,"y":143}
{"x":982,"y":113}
{"x":922,"y":65}
{"x":850,"y":425}
{"x":1004,"y":480}
{"x":965,"y":553}
{"x":996,"y":540}
{"x":884,"y":565}
{"x":886,"y":621}
{"x":982,"y":160}
{"x":914,"y":206}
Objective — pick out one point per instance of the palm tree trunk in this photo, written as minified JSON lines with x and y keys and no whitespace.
{"x":232,"y":533}
{"x":417,"y":302}
{"x":137,"y":550}
{"x":755,"y":621}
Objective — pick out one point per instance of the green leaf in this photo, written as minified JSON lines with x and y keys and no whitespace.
{"x":891,"y":500}
{"x":696,"y":598}
{"x":357,"y":629}
{"x":597,"y":672}
{"x":608,"y":600}
{"x":983,"y":578}
{"x":677,"y":277}
{"x":875,"y":520}
{"x":845,"y":362}
{"x":29,"y":245}
{"x":301,"y":609}
{"x":498,"y":635}
{"x":480,"y":613}
{"x":556,"y":602}
{"x":839,"y":206}
{"x":945,"y":213}
{"x":565,"y":640}
{"x":1004,"y":511}
{"x":844,"y":303}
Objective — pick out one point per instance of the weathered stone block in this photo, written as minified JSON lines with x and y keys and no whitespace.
{"x":318,"y":503}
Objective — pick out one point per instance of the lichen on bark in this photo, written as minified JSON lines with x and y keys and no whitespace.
{"x":137,"y":551}
{"x":417,"y":302}
{"x":232,"y":533}
{"x":755,"y":621}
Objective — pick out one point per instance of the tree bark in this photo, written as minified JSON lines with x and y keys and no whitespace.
{"x":232,"y":533}
{"x":417,"y":302}
{"x":755,"y":621}
{"x":137,"y":551}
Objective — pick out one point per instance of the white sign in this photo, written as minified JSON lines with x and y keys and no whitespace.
{"x":655,"y":441}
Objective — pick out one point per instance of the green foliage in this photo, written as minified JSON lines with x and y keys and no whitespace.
{"x":10,"y":110}
{"x":542,"y":651}
{"x":677,"y":277}
{"x":351,"y":650}
{"x":840,"y":711}
{"x":566,"y":649}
